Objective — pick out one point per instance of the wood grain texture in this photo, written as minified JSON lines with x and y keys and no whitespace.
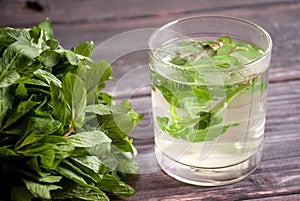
{"x":75,"y":21}
{"x":78,"y":12}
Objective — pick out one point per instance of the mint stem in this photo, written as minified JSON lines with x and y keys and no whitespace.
{"x":220,"y":106}
{"x":223,"y":104}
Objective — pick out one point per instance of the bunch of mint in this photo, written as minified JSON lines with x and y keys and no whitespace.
{"x":61,"y":136}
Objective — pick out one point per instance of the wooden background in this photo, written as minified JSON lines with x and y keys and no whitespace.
{"x":75,"y":21}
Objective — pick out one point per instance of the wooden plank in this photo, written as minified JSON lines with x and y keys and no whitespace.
{"x":279,"y":180}
{"x":285,"y":33}
{"x":258,"y":185}
{"x":19,"y":12}
{"x":294,"y":197}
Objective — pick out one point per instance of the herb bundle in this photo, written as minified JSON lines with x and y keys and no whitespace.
{"x":61,"y":137}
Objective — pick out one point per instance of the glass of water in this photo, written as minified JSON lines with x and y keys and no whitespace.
{"x":209,"y":83}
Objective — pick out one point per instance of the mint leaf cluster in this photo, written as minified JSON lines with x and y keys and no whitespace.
{"x":196,"y":109}
{"x":61,"y":136}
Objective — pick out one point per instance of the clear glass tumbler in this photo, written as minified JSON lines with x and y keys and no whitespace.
{"x":209,"y":82}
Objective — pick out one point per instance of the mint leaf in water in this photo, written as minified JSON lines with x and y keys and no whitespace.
{"x":196,"y":109}
{"x":61,"y":138}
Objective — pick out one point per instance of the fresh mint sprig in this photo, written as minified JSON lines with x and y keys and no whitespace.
{"x":199,"y":123}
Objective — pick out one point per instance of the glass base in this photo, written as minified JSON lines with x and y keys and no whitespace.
{"x":207,"y":176}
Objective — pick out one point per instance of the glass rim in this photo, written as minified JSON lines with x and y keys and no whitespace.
{"x":234,"y":68}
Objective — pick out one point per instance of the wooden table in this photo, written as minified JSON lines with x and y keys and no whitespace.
{"x":75,"y":21}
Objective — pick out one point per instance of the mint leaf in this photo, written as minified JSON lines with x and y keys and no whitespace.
{"x":72,"y":58}
{"x":85,"y":49}
{"x":45,"y":152}
{"x":114,"y":185}
{"x":75,"y":97}
{"x":71,"y":174}
{"x":10,"y":78}
{"x":40,"y":190}
{"x":22,"y":109}
{"x":32,"y":136}
{"x":92,"y":166}
{"x":89,"y":139}
{"x":99,"y":109}
{"x":6,"y":102}
{"x":50,"y":57}
{"x":46,"y":27}
{"x":21,"y":193}
{"x":8,"y":36}
{"x":6,"y":152}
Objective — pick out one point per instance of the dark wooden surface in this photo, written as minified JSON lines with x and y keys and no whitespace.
{"x":75,"y":21}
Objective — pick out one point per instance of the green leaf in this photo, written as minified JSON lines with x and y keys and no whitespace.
{"x":162,"y":122}
{"x":123,"y":144}
{"x":40,"y":190}
{"x":94,"y":78}
{"x":250,"y":51}
{"x":204,"y":122}
{"x":6,"y":152}
{"x":22,"y":109}
{"x":33,"y":164}
{"x":201,"y":93}
{"x":128,"y":166}
{"x":209,"y":133}
{"x":59,"y":111}
{"x":45,"y":152}
{"x":10,"y":78}
{"x":43,"y":177}
{"x":78,"y":168}
{"x":110,"y":161}
{"x":37,"y":133}
{"x":82,"y":193}
{"x":70,"y":174}
{"x":225,"y":50}
{"x":50,"y":58}
{"x":36,"y":82}
{"x":8,"y":36}
{"x":118,"y":125}
{"x":91,"y":162}
{"x":6,"y":101}
{"x":21,"y":90}
{"x":91,"y":165}
{"x":225,"y":39}
{"x":193,"y":105}
{"x":98,"y":109}
{"x":21,"y":193}
{"x":14,"y":58}
{"x":53,"y":44}
{"x":8,"y":62}
{"x":226,"y":61}
{"x":112,"y":184}
{"x":72,"y":57}
{"x":85,"y":48}
{"x":76,"y":97}
{"x":62,"y":147}
{"x":47,"y":77}
{"x":46,"y":27}
{"x":168,"y":95}
{"x":89,"y":139}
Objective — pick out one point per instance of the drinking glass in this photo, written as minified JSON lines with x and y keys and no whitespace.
{"x":209,"y":120}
